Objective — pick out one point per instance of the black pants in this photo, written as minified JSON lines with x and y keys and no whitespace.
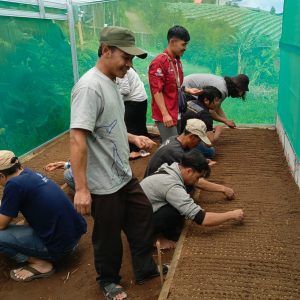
{"x":129,"y":210}
{"x":135,"y":120}
{"x":168,"y":222}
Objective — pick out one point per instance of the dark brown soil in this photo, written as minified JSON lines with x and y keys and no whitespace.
{"x":258,"y":260}
{"x":81,"y":283}
{"x":261,"y":258}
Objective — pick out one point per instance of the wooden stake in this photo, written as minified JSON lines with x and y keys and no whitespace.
{"x":159,"y":262}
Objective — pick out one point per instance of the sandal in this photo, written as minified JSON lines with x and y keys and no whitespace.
{"x":112,"y":290}
{"x":165,"y":270}
{"x":35,"y":274}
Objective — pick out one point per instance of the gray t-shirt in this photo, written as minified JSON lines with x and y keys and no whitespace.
{"x":201,"y":80}
{"x":98,"y":107}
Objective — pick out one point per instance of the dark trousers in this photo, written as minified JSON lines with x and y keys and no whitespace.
{"x":135,"y":120}
{"x":168,"y":222}
{"x":129,"y":210}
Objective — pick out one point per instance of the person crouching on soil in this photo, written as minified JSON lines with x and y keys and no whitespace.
{"x":200,"y":109}
{"x":54,"y":227}
{"x":167,"y":191}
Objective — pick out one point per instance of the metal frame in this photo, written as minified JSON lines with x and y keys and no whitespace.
{"x":37,"y":15}
{"x":42,"y":14}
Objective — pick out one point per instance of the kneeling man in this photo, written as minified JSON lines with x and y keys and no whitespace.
{"x":167,"y":191}
{"x":54,"y":227}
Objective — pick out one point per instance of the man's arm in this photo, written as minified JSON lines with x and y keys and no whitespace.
{"x":78,"y":148}
{"x":160,"y":101}
{"x":206,"y":185}
{"x":213,"y":136}
{"x":141,"y":141}
{"x":222,"y":118}
{"x":157,"y":82}
{"x":214,"y":219}
{"x":4,"y":221}
{"x":56,"y":165}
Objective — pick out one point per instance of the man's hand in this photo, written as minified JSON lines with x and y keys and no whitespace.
{"x":193,"y":91}
{"x":143,"y":142}
{"x":168,"y":121}
{"x":230,"y":124}
{"x":56,"y":165}
{"x":211,"y":162}
{"x":229,"y":193}
{"x":238,"y":215}
{"x":82,"y":202}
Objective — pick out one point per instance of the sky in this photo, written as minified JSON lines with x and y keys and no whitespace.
{"x":264,"y":4}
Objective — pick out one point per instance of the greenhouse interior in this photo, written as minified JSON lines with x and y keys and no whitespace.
{"x":47,"y":46}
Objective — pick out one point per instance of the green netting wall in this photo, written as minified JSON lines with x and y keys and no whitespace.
{"x":35,"y":82}
{"x":36,"y":67}
{"x":289,"y":88}
{"x":225,"y":40}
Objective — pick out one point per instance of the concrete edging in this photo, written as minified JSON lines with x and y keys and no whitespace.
{"x":289,"y":152}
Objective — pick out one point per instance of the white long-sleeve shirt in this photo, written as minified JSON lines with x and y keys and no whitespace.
{"x":131,"y":87}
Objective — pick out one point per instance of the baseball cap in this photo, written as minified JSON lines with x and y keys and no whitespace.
{"x":242,"y":82}
{"x":121,"y":38}
{"x":198,"y":127}
{"x":6,"y":158}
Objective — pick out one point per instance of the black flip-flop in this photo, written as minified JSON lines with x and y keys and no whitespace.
{"x":35,"y":274}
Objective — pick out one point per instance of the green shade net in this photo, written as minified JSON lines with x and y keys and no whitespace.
{"x":35,"y":82}
{"x":289,"y":87}
{"x":36,"y":68}
{"x":225,"y":40}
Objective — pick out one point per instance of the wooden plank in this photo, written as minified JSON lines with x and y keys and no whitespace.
{"x":167,"y":285}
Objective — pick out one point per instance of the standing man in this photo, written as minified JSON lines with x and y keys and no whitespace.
{"x":165,"y":78}
{"x":135,"y":99}
{"x":235,"y":87}
{"x":100,"y":162}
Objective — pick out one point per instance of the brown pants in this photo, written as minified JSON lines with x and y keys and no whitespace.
{"x":129,"y":210}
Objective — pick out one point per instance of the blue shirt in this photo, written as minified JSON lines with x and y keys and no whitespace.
{"x":46,"y":208}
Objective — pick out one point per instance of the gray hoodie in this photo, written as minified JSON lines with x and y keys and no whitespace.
{"x":162,"y":189}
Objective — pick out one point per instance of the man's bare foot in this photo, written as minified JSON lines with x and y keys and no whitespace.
{"x":39,"y":265}
{"x":134,"y":155}
{"x":166,"y":244}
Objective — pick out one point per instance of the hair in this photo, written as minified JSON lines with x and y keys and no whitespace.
{"x":209,"y":93}
{"x":178,"y":32}
{"x":186,"y":132}
{"x":112,"y":48}
{"x":194,"y":159}
{"x":17,"y":166}
{"x":233,"y":90}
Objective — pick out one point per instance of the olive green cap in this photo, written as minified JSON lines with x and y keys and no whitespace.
{"x":121,"y":38}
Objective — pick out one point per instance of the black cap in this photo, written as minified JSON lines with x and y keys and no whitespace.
{"x":241,"y":81}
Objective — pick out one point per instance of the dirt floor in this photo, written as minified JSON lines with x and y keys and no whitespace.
{"x":261,"y":258}
{"x":257,"y":260}
{"x":81,"y":282}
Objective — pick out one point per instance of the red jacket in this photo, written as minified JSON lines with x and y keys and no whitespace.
{"x":162,"y":78}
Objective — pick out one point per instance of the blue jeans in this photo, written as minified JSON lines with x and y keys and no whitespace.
{"x":69,"y":179}
{"x":208,"y":152}
{"x":20,"y":242}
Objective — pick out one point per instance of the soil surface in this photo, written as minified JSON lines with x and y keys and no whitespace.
{"x":81,"y":282}
{"x":261,"y":258}
{"x":258,"y":260}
